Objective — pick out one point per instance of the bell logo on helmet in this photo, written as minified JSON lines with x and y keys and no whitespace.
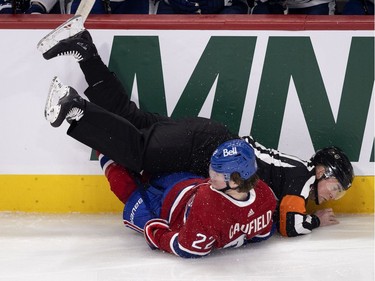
{"x":234,"y":156}
{"x":230,"y":152}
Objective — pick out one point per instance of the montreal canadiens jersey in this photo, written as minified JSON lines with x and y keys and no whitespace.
{"x":202,"y":218}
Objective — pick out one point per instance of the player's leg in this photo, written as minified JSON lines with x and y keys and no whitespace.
{"x":110,"y":94}
{"x":96,"y":127}
{"x":184,"y":145}
{"x":110,"y":134}
{"x":173,"y":146}
{"x":167,"y":145}
{"x":105,"y":90}
{"x":122,"y":182}
{"x":142,"y":206}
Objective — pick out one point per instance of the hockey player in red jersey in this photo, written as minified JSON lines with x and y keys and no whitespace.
{"x":190,"y":216}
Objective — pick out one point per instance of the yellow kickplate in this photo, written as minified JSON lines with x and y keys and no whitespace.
{"x":91,"y":194}
{"x":358,"y":199}
{"x":57,"y":194}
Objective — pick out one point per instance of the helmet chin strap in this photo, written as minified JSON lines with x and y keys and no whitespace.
{"x":226,"y":188}
{"x":315,"y":189}
{"x":230,"y":188}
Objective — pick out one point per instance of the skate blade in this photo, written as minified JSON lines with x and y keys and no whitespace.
{"x":55,"y":93}
{"x":68,"y":29}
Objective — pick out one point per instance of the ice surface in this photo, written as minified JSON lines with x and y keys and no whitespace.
{"x":98,"y":247}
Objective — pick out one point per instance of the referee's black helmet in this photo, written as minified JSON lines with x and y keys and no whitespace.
{"x":336,"y":163}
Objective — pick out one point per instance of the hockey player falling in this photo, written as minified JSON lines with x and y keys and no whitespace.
{"x":187,"y":145}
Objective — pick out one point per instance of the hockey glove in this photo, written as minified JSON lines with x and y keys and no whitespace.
{"x":213,"y":6}
{"x":184,"y":6}
{"x":150,"y":229}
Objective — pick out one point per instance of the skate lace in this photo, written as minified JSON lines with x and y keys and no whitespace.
{"x":75,"y":54}
{"x":74,"y":114}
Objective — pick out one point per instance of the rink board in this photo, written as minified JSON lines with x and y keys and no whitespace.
{"x":42,"y":170}
{"x":91,"y":194}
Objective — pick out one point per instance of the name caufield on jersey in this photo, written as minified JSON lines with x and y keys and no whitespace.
{"x":253,"y":226}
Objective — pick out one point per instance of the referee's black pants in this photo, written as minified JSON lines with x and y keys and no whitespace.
{"x":115,"y":126}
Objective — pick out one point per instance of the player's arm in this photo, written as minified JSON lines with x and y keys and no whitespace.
{"x":190,"y":241}
{"x":294,"y":220}
{"x":266,"y":234}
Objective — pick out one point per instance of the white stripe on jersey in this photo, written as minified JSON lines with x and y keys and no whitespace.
{"x":178,"y":198}
{"x":236,"y":202}
{"x":182,"y":249}
{"x":273,"y":156}
{"x":133,"y":226}
{"x":306,"y":188}
{"x":298,"y":223}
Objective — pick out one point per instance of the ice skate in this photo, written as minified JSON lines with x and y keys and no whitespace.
{"x":69,"y":39}
{"x":68,"y":29}
{"x":63,"y":102}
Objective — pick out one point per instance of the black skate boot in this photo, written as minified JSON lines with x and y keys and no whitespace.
{"x":63,"y":102}
{"x":69,"y":39}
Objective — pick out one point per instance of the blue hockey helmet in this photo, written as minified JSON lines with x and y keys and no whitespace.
{"x":234,"y":156}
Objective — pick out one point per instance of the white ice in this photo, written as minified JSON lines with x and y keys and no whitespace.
{"x":99,"y":248}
